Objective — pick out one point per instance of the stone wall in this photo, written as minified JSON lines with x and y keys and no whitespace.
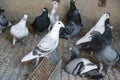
{"x":15,"y":9}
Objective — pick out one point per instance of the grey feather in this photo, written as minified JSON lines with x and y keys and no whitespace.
{"x":4,"y":23}
{"x":82,"y":66}
{"x":104,"y":52}
{"x":75,"y":53}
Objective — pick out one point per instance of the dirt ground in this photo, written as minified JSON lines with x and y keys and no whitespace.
{"x":12,"y":69}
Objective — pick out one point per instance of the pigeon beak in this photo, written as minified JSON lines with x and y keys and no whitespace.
{"x":79,"y":11}
{"x":29,"y":57}
{"x":111,"y":27}
{"x":10,"y":24}
{"x":70,"y":48}
{"x":63,"y":26}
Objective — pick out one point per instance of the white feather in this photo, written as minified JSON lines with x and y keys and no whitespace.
{"x":20,"y":30}
{"x":86,"y":68}
{"x":53,"y":14}
{"x":98,"y":27}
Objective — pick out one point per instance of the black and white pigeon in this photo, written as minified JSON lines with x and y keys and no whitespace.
{"x":47,"y":44}
{"x":73,"y":8}
{"x":82,"y":66}
{"x":107,"y":35}
{"x":42,"y":22}
{"x":53,"y":15}
{"x":73,"y":26}
{"x":19,"y":30}
{"x":100,"y":26}
{"x":4,"y":23}
{"x":103,"y":50}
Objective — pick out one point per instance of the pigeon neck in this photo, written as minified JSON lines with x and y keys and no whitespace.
{"x":23,"y":21}
{"x":101,"y":22}
{"x":54,"y":10}
{"x":55,"y":30}
{"x":72,"y":6}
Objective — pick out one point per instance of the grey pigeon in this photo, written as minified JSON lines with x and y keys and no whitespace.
{"x":73,"y":27}
{"x":4,"y":23}
{"x":47,"y":44}
{"x":19,"y":30}
{"x":103,"y":50}
{"x":100,"y":26}
{"x":82,"y":66}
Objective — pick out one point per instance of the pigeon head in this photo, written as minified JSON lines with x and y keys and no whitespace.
{"x":98,"y":41}
{"x":45,"y":10}
{"x":55,"y":4}
{"x":59,"y":24}
{"x":72,"y":1}
{"x":107,"y":13}
{"x":105,"y":16}
{"x":25,"y":17}
{"x":75,"y":53}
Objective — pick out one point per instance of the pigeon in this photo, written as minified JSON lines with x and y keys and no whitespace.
{"x":82,"y":66}
{"x":73,"y":27}
{"x":42,"y":22}
{"x":53,"y":15}
{"x":107,"y":35}
{"x":73,"y":8}
{"x":47,"y":44}
{"x":4,"y":23}
{"x":19,"y":30}
{"x":104,"y":51}
{"x":100,"y":26}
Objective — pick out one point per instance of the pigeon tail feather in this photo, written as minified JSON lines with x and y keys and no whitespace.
{"x":29,"y":57}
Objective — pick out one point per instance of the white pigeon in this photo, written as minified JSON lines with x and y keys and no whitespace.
{"x":53,"y":15}
{"x":100,"y":27}
{"x":46,"y":45}
{"x":19,"y":30}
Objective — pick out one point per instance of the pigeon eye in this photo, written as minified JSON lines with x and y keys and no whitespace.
{"x":106,"y":15}
{"x":58,"y":22}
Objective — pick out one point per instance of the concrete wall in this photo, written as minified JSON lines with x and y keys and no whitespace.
{"x":15,"y":9}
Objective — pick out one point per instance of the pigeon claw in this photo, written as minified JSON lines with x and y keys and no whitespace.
{"x":13,"y":46}
{"x":48,"y":56}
